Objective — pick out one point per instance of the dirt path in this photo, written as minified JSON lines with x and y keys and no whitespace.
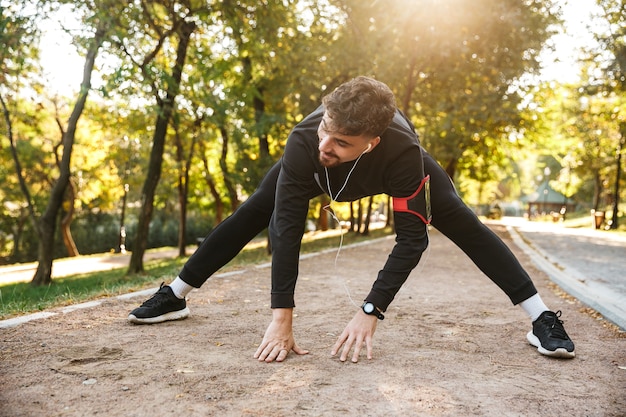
{"x":451,"y":345}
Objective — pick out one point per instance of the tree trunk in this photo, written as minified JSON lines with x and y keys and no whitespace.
{"x":451,"y":168}
{"x":182,"y":216}
{"x":18,"y":170}
{"x":353,"y":218}
{"x":121,"y":243}
{"x":183,"y":185}
{"x":597,"y":191}
{"x":389,"y":222}
{"x":359,"y":216}
{"x":164,"y":113}
{"x":323,"y":222}
{"x":259,"y":114}
{"x":182,"y":228}
{"x":232,"y":191}
{"x":410,"y":87}
{"x":149,"y":187}
{"x":66,"y":222}
{"x":368,"y":216}
{"x":618,"y":172}
{"x":219,"y":204}
{"x":17,"y":230}
{"x":47,"y":223}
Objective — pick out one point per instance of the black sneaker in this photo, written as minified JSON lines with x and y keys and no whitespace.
{"x":549,"y":336}
{"x":162,"y":306}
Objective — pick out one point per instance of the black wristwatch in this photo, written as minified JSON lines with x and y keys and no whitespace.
{"x":370,"y":309}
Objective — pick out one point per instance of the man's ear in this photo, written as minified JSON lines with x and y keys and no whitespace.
{"x":372,"y":144}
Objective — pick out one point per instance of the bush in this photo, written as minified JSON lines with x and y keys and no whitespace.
{"x":98,"y":232}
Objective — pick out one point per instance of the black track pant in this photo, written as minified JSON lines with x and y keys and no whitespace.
{"x":449,"y":215}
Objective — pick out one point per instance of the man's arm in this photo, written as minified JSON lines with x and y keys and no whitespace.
{"x":411,"y":242}
{"x":295,"y":187}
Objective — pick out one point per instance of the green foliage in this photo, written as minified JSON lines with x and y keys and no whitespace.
{"x":19,"y":36}
{"x":610,"y":58}
{"x":253,"y":70}
{"x":98,"y":232}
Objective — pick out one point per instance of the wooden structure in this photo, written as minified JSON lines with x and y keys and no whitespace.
{"x":545,"y":200}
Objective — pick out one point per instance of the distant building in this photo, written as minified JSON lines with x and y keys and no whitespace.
{"x":545,"y":201}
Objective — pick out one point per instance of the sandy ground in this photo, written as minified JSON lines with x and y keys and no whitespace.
{"x":451,"y":345}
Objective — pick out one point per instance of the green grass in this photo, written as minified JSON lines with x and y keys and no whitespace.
{"x":21,"y":298}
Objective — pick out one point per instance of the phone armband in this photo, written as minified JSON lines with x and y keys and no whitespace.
{"x":417,"y":203}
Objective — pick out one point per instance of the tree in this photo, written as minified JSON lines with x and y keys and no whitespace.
{"x":454,"y":67}
{"x":18,"y":37}
{"x":222,"y":109}
{"x":183,"y":159}
{"x":47,"y":224}
{"x":69,"y":198}
{"x":183,"y":29}
{"x":614,"y":41}
{"x":602,"y":111}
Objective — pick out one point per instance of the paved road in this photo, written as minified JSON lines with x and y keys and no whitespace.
{"x":588,"y":264}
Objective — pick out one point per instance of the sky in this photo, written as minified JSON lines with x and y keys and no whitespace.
{"x":63,"y":66}
{"x":562,"y":64}
{"x":61,"y":63}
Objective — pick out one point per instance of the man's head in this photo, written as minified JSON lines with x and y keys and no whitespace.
{"x":361,"y":106}
{"x":355,"y":115}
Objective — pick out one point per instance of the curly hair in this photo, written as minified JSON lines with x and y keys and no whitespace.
{"x":361,"y":106}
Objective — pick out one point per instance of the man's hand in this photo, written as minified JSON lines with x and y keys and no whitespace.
{"x":278,"y":340}
{"x":360,"y":329}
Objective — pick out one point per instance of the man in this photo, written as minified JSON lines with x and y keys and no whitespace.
{"x":355,"y":145}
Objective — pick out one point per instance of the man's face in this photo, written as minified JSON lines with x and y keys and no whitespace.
{"x":336,"y":148}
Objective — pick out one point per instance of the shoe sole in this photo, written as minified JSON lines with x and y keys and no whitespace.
{"x":559,"y":353}
{"x":174,"y":315}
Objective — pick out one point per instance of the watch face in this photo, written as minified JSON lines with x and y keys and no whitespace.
{"x":368,"y":308}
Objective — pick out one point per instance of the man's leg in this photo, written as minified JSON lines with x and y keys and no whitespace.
{"x":452,"y":217}
{"x":220,"y":246}
{"x":458,"y":222}
{"x":228,"y":239}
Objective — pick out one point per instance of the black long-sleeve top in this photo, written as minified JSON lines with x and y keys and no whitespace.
{"x":394,"y":167}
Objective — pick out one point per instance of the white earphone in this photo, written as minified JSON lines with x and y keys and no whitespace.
{"x":369,"y":146}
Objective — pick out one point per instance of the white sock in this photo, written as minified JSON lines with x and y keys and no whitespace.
{"x":534,"y":306}
{"x":180,"y":288}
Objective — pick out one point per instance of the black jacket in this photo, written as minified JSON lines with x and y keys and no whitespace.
{"x":394,"y":167}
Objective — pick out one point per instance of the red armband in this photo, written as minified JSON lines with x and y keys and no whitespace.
{"x":417,"y":203}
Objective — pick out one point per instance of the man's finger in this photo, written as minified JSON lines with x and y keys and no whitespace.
{"x":271,"y":355}
{"x":369,"y":347}
{"x":260,"y":350}
{"x":266,"y":353}
{"x":346,"y":350}
{"x":282,"y":355}
{"x":357,"y":351}
{"x":299,"y":350}
{"x":340,"y":341}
